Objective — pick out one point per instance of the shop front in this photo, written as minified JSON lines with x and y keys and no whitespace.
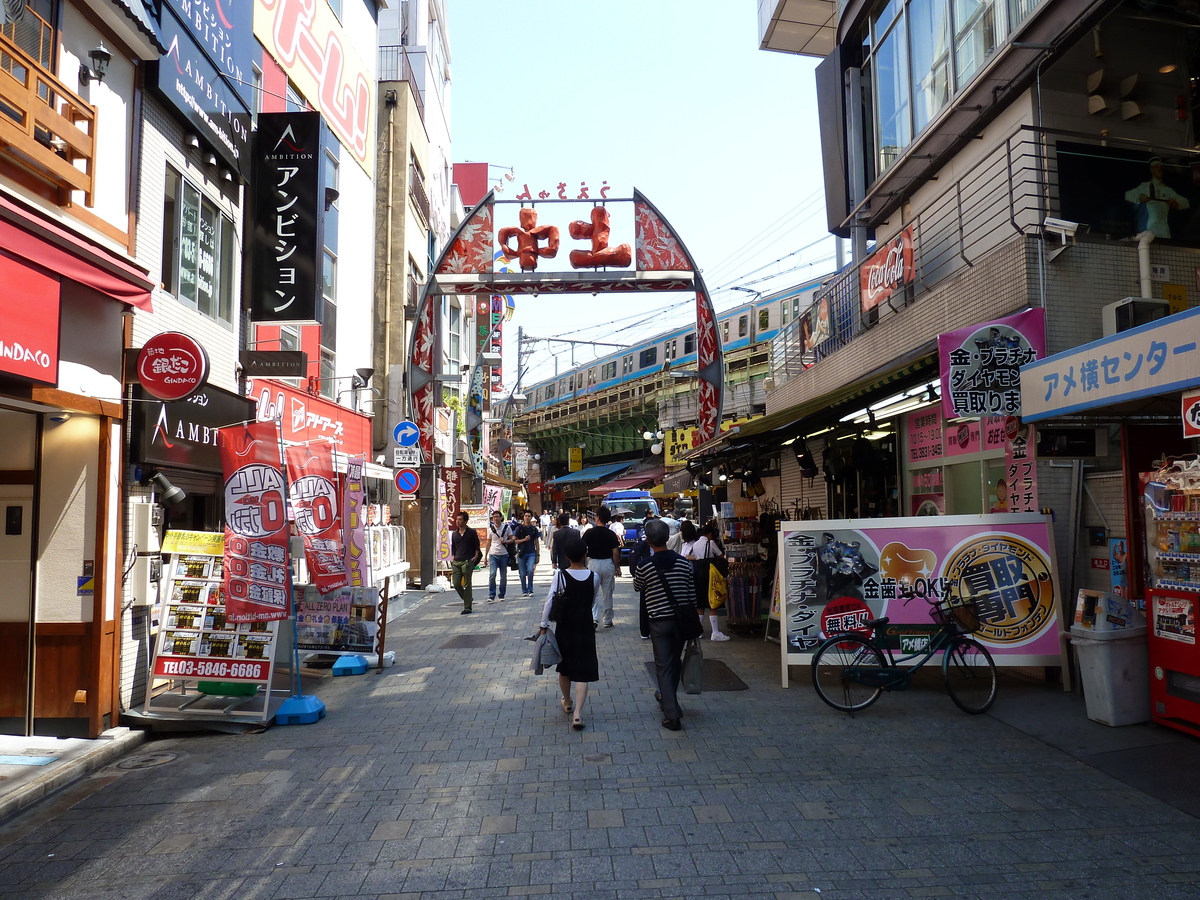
{"x":1140,"y":384}
{"x":61,"y":342}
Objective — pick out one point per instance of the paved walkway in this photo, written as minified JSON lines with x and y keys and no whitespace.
{"x":455,"y":775}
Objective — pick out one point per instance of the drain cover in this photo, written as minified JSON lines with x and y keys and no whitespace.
{"x":147,"y":760}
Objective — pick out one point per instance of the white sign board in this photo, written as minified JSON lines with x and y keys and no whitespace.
{"x":406,"y":457}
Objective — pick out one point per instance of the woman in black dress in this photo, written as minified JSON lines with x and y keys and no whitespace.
{"x":575,"y":631}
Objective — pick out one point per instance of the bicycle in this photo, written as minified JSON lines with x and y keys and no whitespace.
{"x":849,"y":672}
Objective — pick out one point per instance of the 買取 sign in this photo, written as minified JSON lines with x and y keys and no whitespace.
{"x":980,"y":365}
{"x":1153,"y":359}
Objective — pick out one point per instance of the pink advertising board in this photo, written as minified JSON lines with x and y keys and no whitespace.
{"x":836,"y":574}
{"x":980,"y":364}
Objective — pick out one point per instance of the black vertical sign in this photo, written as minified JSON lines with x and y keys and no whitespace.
{"x":288,"y":207}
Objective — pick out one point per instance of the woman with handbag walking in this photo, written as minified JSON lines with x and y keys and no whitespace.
{"x":573,"y":592}
{"x":702,"y":551}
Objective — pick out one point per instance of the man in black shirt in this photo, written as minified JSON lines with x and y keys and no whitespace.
{"x":465,"y":556}
{"x":558,"y":559}
{"x":527,"y":546}
{"x":665,"y":584}
{"x":604,"y":555}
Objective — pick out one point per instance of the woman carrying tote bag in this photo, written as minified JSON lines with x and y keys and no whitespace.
{"x":701,"y":551}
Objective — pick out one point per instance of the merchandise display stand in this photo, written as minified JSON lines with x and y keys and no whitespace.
{"x":215,"y":668}
{"x":743,"y":550}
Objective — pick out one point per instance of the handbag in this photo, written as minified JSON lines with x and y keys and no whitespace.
{"x":691,"y":675}
{"x":556,"y":602}
{"x":686,"y":619}
{"x":718,"y":589}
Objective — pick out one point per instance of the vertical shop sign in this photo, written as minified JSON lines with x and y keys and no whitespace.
{"x":354,"y":531}
{"x":314,"y":496}
{"x":980,"y":365}
{"x":452,"y":475}
{"x":256,"y":577}
{"x":29,"y":329}
{"x":289,"y":218}
{"x":491,"y":497}
{"x":1021,"y":470}
{"x":889,"y":269}
{"x":443,"y":525}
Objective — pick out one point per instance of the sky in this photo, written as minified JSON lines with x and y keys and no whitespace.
{"x":672,"y":97}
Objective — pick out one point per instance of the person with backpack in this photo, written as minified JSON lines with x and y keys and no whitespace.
{"x":499,"y":536}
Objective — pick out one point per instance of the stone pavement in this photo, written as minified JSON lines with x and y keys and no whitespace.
{"x":455,"y":775}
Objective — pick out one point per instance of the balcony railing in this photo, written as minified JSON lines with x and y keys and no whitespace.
{"x":1009,"y":191}
{"x":44,"y":126}
{"x":396,"y":65}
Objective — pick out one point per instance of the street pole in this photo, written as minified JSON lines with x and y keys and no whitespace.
{"x":428,"y":500}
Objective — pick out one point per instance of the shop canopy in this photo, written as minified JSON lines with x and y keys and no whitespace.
{"x":630,"y":482}
{"x":591,"y":473}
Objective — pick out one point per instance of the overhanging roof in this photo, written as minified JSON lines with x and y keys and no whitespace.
{"x":629,"y":482}
{"x":591,"y":473}
{"x":806,"y":27}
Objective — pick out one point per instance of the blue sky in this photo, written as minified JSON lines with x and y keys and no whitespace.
{"x":671,"y":97}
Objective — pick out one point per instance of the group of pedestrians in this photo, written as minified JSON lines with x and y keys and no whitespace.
{"x":672,"y":586}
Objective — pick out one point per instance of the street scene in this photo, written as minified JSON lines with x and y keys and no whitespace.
{"x":455,"y":774}
{"x":454,"y":449}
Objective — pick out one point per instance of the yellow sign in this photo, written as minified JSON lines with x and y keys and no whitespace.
{"x":198,"y":543}
{"x":1176,"y":295}
{"x":574,"y":459}
{"x":310,"y":45}
{"x":680,"y":441}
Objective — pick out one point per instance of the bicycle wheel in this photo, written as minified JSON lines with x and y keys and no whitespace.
{"x":970,"y":675}
{"x":829,"y":672}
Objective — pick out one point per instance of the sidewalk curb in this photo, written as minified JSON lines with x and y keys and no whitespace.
{"x":100,"y":752}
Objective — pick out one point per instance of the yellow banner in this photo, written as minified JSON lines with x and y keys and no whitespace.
{"x":680,"y":441}
{"x":197,"y":543}
{"x":574,"y":459}
{"x":308,"y":42}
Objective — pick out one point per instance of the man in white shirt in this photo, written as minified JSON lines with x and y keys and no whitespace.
{"x":499,"y":534}
{"x":546,"y":521}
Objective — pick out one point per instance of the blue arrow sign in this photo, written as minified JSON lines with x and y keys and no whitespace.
{"x":406,"y":434}
{"x":407,"y":481}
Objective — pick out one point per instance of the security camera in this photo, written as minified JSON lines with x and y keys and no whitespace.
{"x":1061,"y":227}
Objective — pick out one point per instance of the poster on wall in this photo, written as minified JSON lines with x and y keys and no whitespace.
{"x":1020,"y":481}
{"x":256,"y":571}
{"x":1174,"y":617}
{"x":313,"y":490}
{"x":816,"y":328}
{"x":1118,"y":567}
{"x":888,"y":270}
{"x":837,"y":574}
{"x":980,"y":365}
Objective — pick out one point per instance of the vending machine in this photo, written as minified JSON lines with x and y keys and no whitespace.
{"x":1172,"y":515}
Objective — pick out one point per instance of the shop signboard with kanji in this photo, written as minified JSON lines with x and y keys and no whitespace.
{"x":980,"y":365}
{"x":1162,"y":357}
{"x":837,"y":574}
{"x":313,"y":494}
{"x":305,"y":418}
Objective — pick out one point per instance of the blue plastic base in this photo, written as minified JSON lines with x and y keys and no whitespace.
{"x":300,"y":709}
{"x":350,"y":665}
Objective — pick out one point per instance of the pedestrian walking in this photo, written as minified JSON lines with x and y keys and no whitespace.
{"x":499,"y":535}
{"x":546,"y":521}
{"x":464,"y":557}
{"x":574,"y":591}
{"x":585,"y":524}
{"x":527,"y":549}
{"x":604,"y":555}
{"x":700,"y":550}
{"x":665,"y":587}
{"x":557,"y":558}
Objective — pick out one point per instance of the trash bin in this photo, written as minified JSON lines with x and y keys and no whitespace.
{"x":1115,"y":674}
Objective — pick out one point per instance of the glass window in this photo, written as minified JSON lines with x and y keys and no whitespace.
{"x":289,"y":337}
{"x":892,"y":126}
{"x":783,"y":313}
{"x":648,"y":357}
{"x":331,"y":172}
{"x":256,"y":78}
{"x":725,"y":332}
{"x":929,"y":36}
{"x":199,"y":249}
{"x":549,"y":391}
{"x":455,"y":333}
{"x":978,"y":28}
{"x":764,"y":320}
{"x":743,"y":326}
{"x":689,"y":343}
{"x":327,"y":374}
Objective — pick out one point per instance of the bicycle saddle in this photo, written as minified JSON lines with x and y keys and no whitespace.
{"x":876,"y":623}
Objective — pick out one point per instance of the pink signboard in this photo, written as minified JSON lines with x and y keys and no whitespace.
{"x":981,"y":364}
{"x":843,"y":572}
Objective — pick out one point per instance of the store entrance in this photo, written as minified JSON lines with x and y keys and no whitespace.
{"x":16,"y":546}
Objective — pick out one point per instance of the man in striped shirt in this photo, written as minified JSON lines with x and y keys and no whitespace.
{"x":664,"y":582}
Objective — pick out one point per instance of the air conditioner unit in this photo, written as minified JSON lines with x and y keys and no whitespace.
{"x":1132,"y":312}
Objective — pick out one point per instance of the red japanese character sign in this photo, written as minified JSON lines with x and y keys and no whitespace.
{"x":529,"y":237}
{"x":601,"y":254}
{"x":257,"y":580}
{"x":313,"y":491}
{"x":172,"y":366}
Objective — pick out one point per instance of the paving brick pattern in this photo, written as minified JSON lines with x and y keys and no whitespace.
{"x":455,"y":775}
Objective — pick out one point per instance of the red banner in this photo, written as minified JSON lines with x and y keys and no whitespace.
{"x":257,"y":580}
{"x":312,"y":485}
{"x":889,"y":269}
{"x":354,"y":529}
{"x":305,"y":418}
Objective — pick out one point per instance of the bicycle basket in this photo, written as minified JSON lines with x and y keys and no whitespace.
{"x":961,"y":616}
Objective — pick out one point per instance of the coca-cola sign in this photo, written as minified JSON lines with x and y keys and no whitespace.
{"x":889,"y":269}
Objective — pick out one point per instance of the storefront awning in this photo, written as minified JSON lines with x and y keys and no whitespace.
{"x":62,"y":253}
{"x":630,"y":482}
{"x":791,"y":419}
{"x":591,"y":473}
{"x":500,"y":481}
{"x":678,"y":482}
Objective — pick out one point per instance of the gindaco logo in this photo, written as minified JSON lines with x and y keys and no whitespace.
{"x":20,"y":353}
